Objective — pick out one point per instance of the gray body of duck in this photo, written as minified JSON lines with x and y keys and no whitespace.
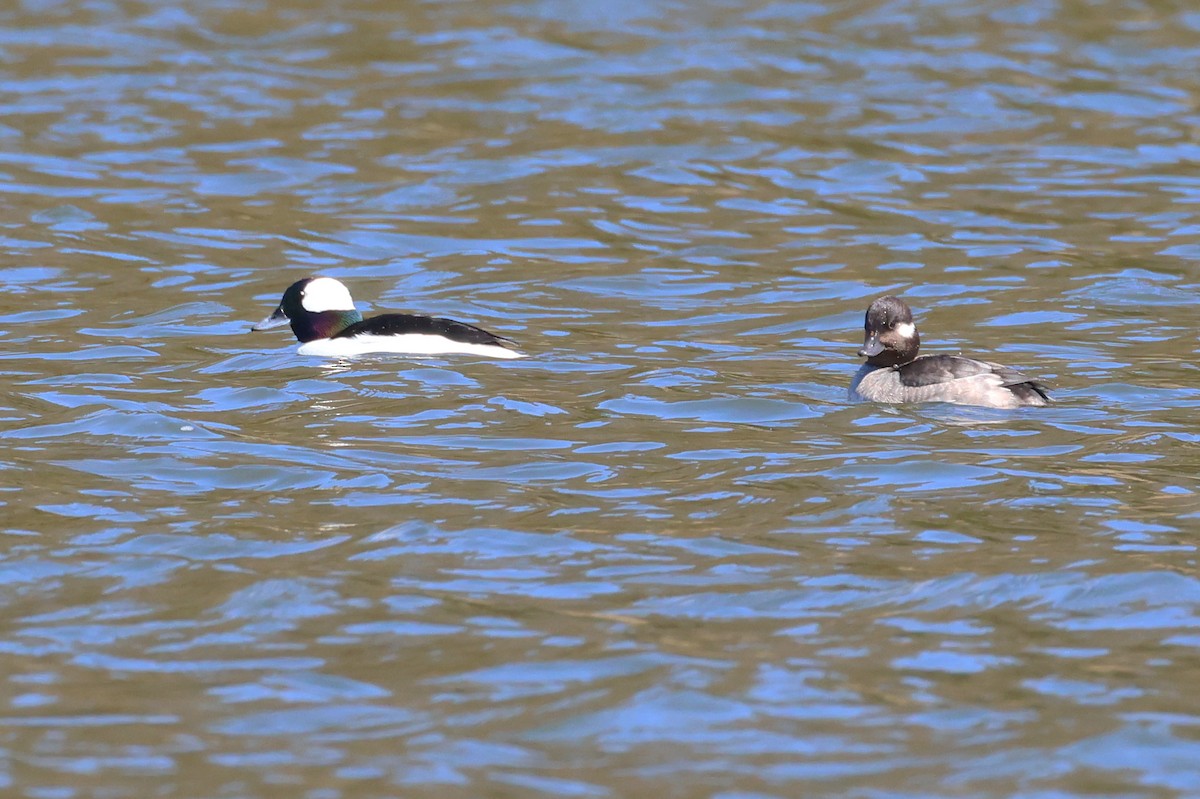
{"x":894,"y":374}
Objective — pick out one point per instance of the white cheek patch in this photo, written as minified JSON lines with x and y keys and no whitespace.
{"x":905,"y":329}
{"x":326,"y":294}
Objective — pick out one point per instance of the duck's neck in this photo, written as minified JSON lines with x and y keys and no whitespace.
{"x":326,"y":324}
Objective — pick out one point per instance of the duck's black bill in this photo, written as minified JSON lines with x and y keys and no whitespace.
{"x":274,"y":320}
{"x":871,"y":348}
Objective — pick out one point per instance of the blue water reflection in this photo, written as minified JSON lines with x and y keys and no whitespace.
{"x":663,"y":553}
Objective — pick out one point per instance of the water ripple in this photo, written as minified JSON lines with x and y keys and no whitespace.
{"x":663,"y":553}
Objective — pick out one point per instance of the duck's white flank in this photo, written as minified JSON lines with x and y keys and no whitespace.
{"x":407,"y":343}
{"x":326,"y":294}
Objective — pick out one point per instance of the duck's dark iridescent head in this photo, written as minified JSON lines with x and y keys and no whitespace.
{"x":890,"y":337}
{"x":316,"y":307}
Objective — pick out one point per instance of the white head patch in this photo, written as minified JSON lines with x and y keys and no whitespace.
{"x":903,"y":330}
{"x":326,"y":294}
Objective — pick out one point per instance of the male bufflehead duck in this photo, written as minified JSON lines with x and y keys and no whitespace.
{"x":894,"y":373}
{"x":323,"y":317}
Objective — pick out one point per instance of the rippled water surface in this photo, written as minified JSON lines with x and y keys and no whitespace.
{"x":663,"y":555}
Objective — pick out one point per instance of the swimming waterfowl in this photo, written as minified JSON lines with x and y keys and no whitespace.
{"x":894,"y":374}
{"x":322,"y":315}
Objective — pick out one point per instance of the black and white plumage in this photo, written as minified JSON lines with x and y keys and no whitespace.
{"x":893,"y":373}
{"x":323,"y":317}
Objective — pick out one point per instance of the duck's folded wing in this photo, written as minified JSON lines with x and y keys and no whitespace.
{"x":941,"y":369}
{"x":395,"y":324}
{"x":933,"y":369}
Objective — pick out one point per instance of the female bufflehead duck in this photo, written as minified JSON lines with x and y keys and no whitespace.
{"x":323,"y":317}
{"x":894,"y":373}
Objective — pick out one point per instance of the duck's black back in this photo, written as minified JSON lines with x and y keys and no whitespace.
{"x":396,"y":324}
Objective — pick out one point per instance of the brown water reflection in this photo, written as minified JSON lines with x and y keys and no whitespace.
{"x":662,"y":554}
